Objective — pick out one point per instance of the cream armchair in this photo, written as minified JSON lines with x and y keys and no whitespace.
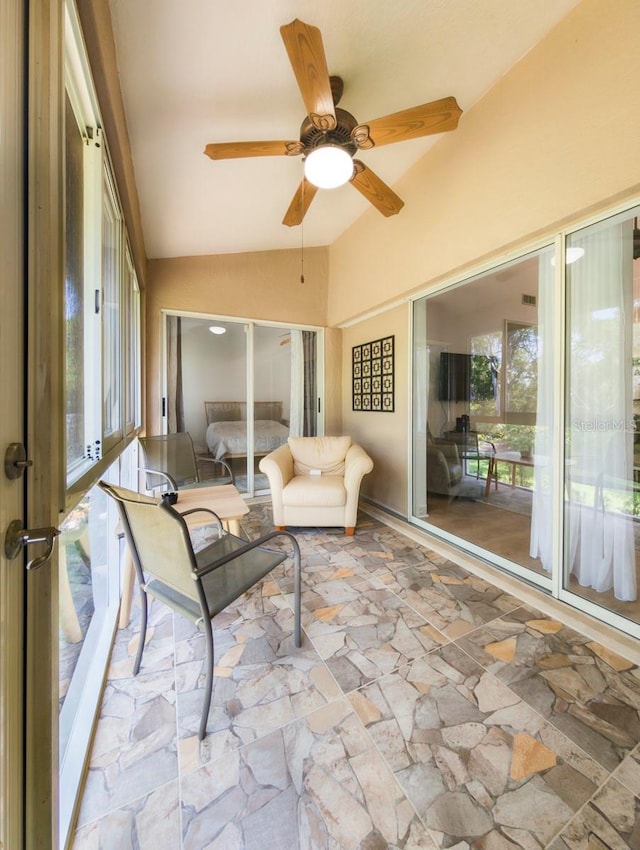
{"x":315,"y":481}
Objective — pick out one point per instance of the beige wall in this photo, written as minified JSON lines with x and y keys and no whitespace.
{"x":262,"y":285}
{"x":558,"y":136}
{"x":383,"y":435}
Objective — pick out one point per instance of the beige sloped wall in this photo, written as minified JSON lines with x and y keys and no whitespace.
{"x":261,"y":285}
{"x":557,"y":137}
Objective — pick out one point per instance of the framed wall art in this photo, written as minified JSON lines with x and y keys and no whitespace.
{"x":373,"y":375}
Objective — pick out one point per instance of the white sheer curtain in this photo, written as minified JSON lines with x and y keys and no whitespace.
{"x":296,"y":417}
{"x":599,"y":427}
{"x":542,"y":504}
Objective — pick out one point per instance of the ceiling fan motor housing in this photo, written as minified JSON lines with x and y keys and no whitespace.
{"x":312,"y":137}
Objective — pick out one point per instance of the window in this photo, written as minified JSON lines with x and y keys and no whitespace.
{"x":102,"y":404}
{"x":74,"y":292}
{"x":112,"y":314}
{"x":102,"y":299}
{"x":132,"y":349}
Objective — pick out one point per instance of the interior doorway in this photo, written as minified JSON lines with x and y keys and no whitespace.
{"x":241,"y":388}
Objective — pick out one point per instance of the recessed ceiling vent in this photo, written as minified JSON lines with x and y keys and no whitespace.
{"x":529,"y":300}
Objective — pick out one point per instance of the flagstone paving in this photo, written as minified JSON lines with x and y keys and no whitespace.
{"x":426,"y":708}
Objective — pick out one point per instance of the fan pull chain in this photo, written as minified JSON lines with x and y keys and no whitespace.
{"x":302,"y":238}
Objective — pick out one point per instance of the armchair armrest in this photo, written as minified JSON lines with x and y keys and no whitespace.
{"x":357,"y":464}
{"x":278,"y":467}
{"x":449,"y":450}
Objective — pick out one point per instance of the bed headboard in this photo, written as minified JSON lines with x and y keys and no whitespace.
{"x":236,"y":411}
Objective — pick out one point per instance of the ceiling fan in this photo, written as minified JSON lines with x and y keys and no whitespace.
{"x":331,"y":133}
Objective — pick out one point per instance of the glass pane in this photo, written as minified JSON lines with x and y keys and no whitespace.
{"x":112,"y":312}
{"x":206,"y":390}
{"x":482,"y":413}
{"x":88,"y":588}
{"x":132,"y":351}
{"x":74,"y":293}
{"x":602,"y":450}
{"x":285,"y":390}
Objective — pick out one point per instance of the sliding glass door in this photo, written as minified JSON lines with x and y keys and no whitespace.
{"x":526,"y":417}
{"x":240,"y":388}
{"x":481,"y":403}
{"x":602,"y":412}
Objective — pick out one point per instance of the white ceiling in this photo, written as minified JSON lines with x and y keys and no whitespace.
{"x":199,"y":71}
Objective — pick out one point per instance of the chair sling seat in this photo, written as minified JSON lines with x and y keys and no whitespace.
{"x":221,"y":586}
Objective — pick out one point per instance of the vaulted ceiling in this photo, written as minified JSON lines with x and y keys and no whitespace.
{"x":199,"y":71}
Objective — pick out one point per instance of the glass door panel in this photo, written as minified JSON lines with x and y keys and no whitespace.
{"x":602,"y":410}
{"x":207,"y":388}
{"x":240,"y":389}
{"x":482,"y":408}
{"x":285,"y":391}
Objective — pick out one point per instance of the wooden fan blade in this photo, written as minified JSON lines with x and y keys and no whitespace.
{"x":300,"y":203}
{"x":307,"y":57}
{"x":235,"y":150}
{"x":375,"y":190}
{"x":439,"y":116}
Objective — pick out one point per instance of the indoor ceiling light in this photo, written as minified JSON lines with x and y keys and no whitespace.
{"x":328,"y":166}
{"x":571,"y":255}
{"x":216,"y":329}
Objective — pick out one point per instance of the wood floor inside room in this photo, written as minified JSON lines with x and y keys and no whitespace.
{"x":507,"y":533}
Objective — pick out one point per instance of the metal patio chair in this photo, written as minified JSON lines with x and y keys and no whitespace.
{"x":170,"y":464}
{"x":197,"y":585}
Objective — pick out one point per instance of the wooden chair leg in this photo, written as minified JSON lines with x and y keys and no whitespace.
{"x":280,"y":527}
{"x":350,"y":530}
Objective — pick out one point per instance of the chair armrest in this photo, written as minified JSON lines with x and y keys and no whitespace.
{"x":168,"y":479}
{"x":219,"y":461}
{"x":449,"y":450}
{"x":278,"y":467}
{"x":206,"y":511}
{"x":357,"y":464}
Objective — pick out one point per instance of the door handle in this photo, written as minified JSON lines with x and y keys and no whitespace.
{"x":17,"y":538}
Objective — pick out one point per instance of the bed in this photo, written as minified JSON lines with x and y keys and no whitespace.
{"x":226,"y":434}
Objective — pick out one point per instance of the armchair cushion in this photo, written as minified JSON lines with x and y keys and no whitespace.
{"x":326,"y":491}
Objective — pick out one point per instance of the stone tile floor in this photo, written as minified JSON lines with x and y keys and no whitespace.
{"x":425,"y":709}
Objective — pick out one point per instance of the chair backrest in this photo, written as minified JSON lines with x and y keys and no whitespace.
{"x":158,"y":539}
{"x":170,"y":453}
{"x":324,"y":453}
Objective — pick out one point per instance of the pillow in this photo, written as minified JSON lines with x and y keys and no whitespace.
{"x":324,"y":453}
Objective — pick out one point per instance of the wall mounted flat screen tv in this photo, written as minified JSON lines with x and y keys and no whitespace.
{"x":467,"y":377}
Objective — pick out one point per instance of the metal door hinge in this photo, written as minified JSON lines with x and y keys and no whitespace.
{"x":18,"y":537}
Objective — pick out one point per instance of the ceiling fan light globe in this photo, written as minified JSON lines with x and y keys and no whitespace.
{"x":328,"y":166}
